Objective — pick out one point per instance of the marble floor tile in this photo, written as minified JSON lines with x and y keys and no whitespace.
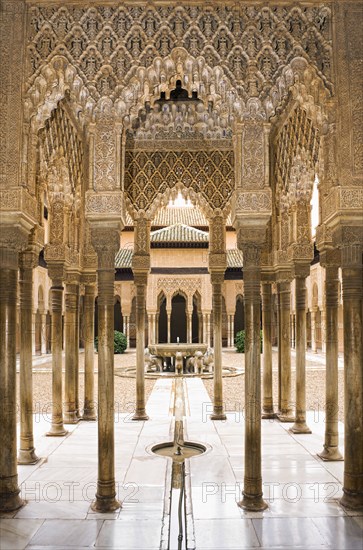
{"x":289,"y":533}
{"x":130,"y":535}
{"x":216,"y":502}
{"x":234,"y":534}
{"x":341,"y":533}
{"x":67,"y":532}
{"x":15,"y":534}
{"x":54,"y":510}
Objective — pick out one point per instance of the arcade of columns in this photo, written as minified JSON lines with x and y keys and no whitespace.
{"x":81,"y":133}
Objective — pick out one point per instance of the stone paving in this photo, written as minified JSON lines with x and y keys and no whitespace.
{"x":302,"y":491}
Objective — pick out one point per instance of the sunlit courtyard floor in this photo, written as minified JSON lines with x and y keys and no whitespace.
{"x":302,"y":492}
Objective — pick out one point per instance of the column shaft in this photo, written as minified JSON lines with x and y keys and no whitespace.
{"x":331,"y":442}
{"x":106,"y":486}
{"x":169,"y":325}
{"x":285,"y":414}
{"x":252,"y":490}
{"x":267,"y":406}
{"x":140,"y":413}
{"x":353,"y":379}
{"x":71,"y":353}
{"x":56,"y":292}
{"x":9,"y":489}
{"x":26,"y":453}
{"x":313,"y":331}
{"x":218,"y":408}
{"x":278,"y":329}
{"x":300,"y":425}
{"x":89,"y":412}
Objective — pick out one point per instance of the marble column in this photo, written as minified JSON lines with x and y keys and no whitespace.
{"x":189,"y":327}
{"x":56,"y":295}
{"x":331,"y":450}
{"x":26,"y":454}
{"x":106,"y":243}
{"x":89,"y":411}
{"x":205,"y":329}
{"x":313,"y":330}
{"x":218,"y":406}
{"x":33,"y":331}
{"x":323,"y":330}
{"x":286,"y":413}
{"x":71,"y":353}
{"x":232,"y":331}
{"x":9,"y":488}
{"x":43,"y":349}
{"x":278,"y":330}
{"x":127,"y":329}
{"x":353,"y":376}
{"x":300,"y":426}
{"x":168,"y":313}
{"x":157,"y":328}
{"x":267,"y":403}
{"x":252,"y":488}
{"x":140,"y":284}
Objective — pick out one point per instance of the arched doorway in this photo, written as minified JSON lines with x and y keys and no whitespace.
{"x":118,"y":319}
{"x":178,"y":322}
{"x":239,"y":316}
{"x":163,"y":320}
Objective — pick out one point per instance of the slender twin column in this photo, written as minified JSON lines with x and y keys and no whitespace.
{"x":331,"y":442}
{"x":353,"y":376}
{"x":89,"y":411}
{"x":300,"y":425}
{"x":285,"y":414}
{"x":26,"y":453}
{"x":252,"y":490}
{"x":9,"y":489}
{"x":140,"y":284}
{"x":218,"y":408}
{"x":71,"y":405}
{"x":267,"y":404}
{"x":56,"y":294}
{"x":106,"y":244}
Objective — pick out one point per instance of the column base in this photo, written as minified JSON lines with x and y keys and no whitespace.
{"x":218,"y":416}
{"x":286,"y":417}
{"x":330,"y":454}
{"x":70,"y":417}
{"x":300,"y":428}
{"x":140,"y":415}
{"x":266,"y":414}
{"x":56,"y":430}
{"x":352,"y":500}
{"x":253,"y":503}
{"x":27,"y":457}
{"x":10,"y":502}
{"x":89,"y":417}
{"x":105,"y":504}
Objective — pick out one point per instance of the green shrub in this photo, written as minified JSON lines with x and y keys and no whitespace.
{"x":119,"y":342}
{"x":240,"y":341}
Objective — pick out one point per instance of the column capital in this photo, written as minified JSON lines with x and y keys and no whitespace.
{"x":330,"y":257}
{"x":284,"y":276}
{"x":349,"y":239}
{"x":106,"y":242}
{"x":28,"y":259}
{"x":251,"y":255}
{"x":217,"y":277}
{"x":56,"y":272}
{"x":140,"y":264}
{"x":89,"y":279}
{"x":300,"y":270}
{"x":254,"y":235}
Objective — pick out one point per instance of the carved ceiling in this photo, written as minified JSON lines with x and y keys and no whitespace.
{"x":231,"y":53}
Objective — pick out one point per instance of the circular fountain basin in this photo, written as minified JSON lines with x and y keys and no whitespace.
{"x":178,"y":452}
